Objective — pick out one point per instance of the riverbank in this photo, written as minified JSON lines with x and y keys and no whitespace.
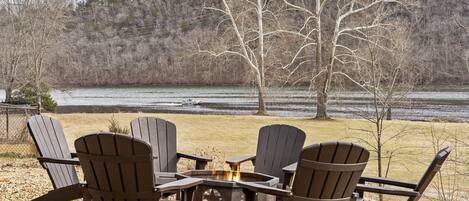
{"x":224,"y":136}
{"x":420,"y":105}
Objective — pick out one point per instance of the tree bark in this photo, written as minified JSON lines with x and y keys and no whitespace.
{"x":262,"y":110}
{"x":321,"y":99}
{"x":39,"y":103}
{"x":321,"y":105}
{"x":8,"y":94}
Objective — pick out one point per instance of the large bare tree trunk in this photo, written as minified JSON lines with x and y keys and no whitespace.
{"x":321,"y":98}
{"x":321,"y":105}
{"x":262,"y":110}
{"x":8,"y":94}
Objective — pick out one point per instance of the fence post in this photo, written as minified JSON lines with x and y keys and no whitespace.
{"x":7,"y":123}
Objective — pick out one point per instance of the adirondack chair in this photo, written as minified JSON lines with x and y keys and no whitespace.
{"x":55,"y":157}
{"x":411,"y":190}
{"x":161,"y":134}
{"x":326,"y":172}
{"x":119,"y":167}
{"x":277,"y":146}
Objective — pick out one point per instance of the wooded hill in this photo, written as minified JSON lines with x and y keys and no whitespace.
{"x":120,"y":42}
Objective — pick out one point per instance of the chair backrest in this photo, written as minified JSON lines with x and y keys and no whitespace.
{"x":329,"y":171}
{"x":161,"y":135}
{"x":277,"y":147}
{"x":116,"y":167}
{"x":48,"y":135}
{"x":432,"y":170}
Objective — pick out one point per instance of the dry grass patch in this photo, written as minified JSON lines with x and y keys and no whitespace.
{"x":229,"y":135}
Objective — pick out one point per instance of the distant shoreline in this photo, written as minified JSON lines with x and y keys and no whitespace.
{"x":133,"y":109}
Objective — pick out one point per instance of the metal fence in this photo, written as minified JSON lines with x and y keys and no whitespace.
{"x":14,"y":134}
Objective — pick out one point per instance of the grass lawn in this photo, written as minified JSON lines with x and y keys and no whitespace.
{"x":225,"y":136}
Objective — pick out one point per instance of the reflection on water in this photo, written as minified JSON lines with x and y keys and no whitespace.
{"x":243,"y":100}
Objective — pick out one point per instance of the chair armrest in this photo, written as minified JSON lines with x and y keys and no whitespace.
{"x":288,"y":172}
{"x":73,"y":161}
{"x":200,"y":162}
{"x":290,"y":168}
{"x":388,"y":191}
{"x":180,"y":184}
{"x":258,"y":188}
{"x":193,"y":157}
{"x":237,"y":160}
{"x":380,"y":180}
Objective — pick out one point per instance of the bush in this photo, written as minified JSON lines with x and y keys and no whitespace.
{"x":27,"y":95}
{"x":114,"y":127}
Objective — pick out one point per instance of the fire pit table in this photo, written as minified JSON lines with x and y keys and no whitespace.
{"x":220,"y":185}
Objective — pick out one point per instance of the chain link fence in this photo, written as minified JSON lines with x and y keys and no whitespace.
{"x":14,"y":134}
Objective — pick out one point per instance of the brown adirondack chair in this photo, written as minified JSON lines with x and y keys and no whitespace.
{"x":161,"y":135}
{"x":411,"y":190}
{"x":55,"y":157}
{"x":326,"y":172}
{"x":119,"y":167}
{"x":277,"y":147}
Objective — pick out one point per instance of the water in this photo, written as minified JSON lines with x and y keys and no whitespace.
{"x":420,"y":105}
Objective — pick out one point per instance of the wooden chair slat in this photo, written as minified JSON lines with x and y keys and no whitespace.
{"x":135,"y":128}
{"x":335,"y":182}
{"x":80,"y":146}
{"x":171,"y":147}
{"x":94,"y":147}
{"x":113,"y":169}
{"x":56,"y":172}
{"x":62,"y":170}
{"x":133,"y":179}
{"x":282,"y":136}
{"x":355,"y":176}
{"x":153,"y":140}
{"x":162,"y":145}
{"x":144,"y":174}
{"x":339,"y":178}
{"x":278,"y":146}
{"x":161,"y":134}
{"x":128,"y":171}
{"x":49,"y":138}
{"x":60,"y":135}
{"x":305,"y":174}
{"x":326,"y":155}
{"x":262,"y":143}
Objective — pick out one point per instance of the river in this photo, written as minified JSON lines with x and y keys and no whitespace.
{"x":418,"y":105}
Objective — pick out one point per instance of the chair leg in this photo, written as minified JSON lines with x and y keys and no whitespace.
{"x":72,"y":192}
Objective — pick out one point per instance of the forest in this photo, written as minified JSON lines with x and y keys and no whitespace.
{"x":119,"y":42}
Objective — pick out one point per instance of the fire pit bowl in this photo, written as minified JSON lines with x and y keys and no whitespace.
{"x":220,"y":185}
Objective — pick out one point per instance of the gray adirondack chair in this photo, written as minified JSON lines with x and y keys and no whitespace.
{"x":161,"y":135}
{"x":56,"y":158}
{"x":411,"y":190}
{"x":277,"y":146}
{"x":325,"y":172}
{"x":119,"y":167}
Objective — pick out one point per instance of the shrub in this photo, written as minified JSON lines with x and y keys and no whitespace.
{"x":28,"y":94}
{"x":114,"y":127}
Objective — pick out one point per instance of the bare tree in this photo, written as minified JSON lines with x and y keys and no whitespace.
{"x":12,"y":43}
{"x":343,"y":31}
{"x":44,"y":22}
{"x":246,"y":32}
{"x":466,"y":53}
